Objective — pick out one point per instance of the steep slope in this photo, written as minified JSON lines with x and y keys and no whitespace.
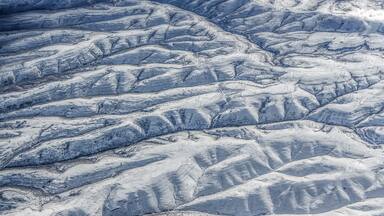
{"x":219,"y":107}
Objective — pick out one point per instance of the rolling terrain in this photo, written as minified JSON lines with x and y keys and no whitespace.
{"x":191,"y":107}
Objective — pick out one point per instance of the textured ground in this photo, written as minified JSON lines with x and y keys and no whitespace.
{"x":191,"y":107}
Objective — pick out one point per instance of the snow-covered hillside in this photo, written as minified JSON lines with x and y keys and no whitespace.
{"x":191,"y":107}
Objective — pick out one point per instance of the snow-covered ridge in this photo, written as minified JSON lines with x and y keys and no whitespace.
{"x":218,"y":107}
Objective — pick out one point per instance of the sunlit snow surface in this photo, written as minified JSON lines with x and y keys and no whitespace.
{"x":191,"y":107}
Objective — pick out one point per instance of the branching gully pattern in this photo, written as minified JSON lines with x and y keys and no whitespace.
{"x":191,"y":107}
